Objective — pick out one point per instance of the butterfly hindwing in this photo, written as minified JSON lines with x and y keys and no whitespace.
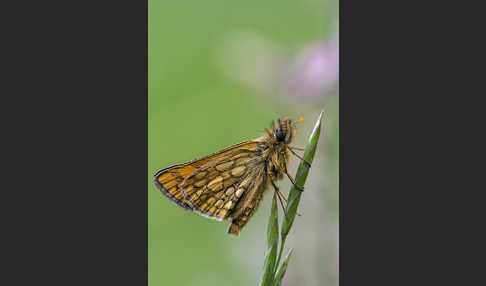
{"x":214,"y":189}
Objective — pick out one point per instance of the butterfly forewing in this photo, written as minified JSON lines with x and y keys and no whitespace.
{"x":208,"y":185}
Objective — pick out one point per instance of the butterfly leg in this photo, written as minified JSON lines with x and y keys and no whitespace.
{"x":290,"y":177}
{"x":297,"y":148}
{"x":280,"y":196}
{"x":297,"y":155}
{"x":293,"y":181}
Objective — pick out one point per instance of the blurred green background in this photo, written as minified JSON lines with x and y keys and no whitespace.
{"x":219,"y":72}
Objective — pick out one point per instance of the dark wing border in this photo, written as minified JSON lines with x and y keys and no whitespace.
{"x":166,"y":192}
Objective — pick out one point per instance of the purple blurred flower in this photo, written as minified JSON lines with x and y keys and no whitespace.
{"x":315,"y":71}
{"x":251,"y":58}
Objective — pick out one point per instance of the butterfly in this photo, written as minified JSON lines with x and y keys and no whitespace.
{"x":230,"y":183}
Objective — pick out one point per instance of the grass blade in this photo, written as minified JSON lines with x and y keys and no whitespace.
{"x":300,"y":178}
{"x":281,"y":270}
{"x":267,"y":278}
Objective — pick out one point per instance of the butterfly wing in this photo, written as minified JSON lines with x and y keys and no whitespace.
{"x":207,"y":178}
{"x":252,"y":189}
{"x":217,"y":187}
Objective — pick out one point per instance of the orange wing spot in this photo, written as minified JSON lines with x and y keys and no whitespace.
{"x":228,"y":205}
{"x":230,"y":191}
{"x":243,"y":160}
{"x":222,"y":213}
{"x":173,"y":191}
{"x":219,"y":203}
{"x":219,"y":195}
{"x":200,"y":183}
{"x":201,"y":175}
{"x":170,"y":184}
{"x":204,"y":206}
{"x":216,"y":184}
{"x":165,"y":178}
{"x":238,"y":171}
{"x":239,"y":192}
{"x":189,"y":189}
{"x":226,"y":175}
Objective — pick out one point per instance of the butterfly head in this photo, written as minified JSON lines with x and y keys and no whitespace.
{"x":283,"y":131}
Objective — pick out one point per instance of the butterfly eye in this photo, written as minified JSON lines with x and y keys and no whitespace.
{"x":280,"y":135}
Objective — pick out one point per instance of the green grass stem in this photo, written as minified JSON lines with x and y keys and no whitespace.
{"x":273,"y":274}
